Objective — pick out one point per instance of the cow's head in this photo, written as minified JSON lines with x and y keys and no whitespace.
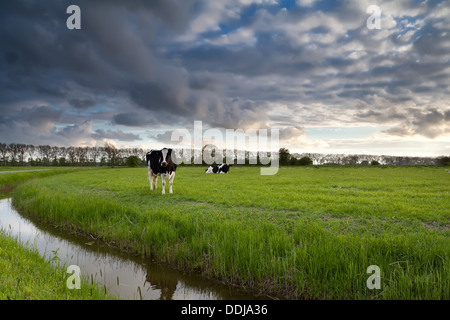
{"x":165,"y":154}
{"x":225,"y":167}
{"x":168,"y":157}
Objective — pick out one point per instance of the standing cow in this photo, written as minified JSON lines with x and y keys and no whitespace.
{"x":161,"y":163}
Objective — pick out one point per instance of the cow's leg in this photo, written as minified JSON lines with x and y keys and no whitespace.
{"x":150,"y":178}
{"x":171,"y":177}
{"x":155,"y":180}
{"x":163,"y":182}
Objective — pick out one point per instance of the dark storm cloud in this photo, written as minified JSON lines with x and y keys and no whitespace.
{"x":82,"y":103}
{"x":131,"y":120}
{"x":229,"y":63}
{"x":116,"y":135}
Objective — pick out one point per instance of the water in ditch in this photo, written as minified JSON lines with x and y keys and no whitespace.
{"x":126,"y":276}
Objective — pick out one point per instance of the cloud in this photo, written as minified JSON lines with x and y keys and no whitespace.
{"x":132,"y":119}
{"x":232,"y":64}
{"x":306,"y":3}
{"x":82,"y":103}
{"x":38,"y":125}
{"x":430,"y":123}
{"x":119,"y":135}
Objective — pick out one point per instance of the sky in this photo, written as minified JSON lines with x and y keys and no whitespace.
{"x":311,"y":69}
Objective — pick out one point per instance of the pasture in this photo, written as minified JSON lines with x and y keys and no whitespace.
{"x":305,"y":233}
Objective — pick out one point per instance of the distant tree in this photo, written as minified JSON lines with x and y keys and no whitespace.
{"x":133,"y":161}
{"x":284,"y":156}
{"x":45,"y":152}
{"x":22,"y":149}
{"x":103,"y":161}
{"x":72,"y":154}
{"x":81,"y":153}
{"x":293,"y":161}
{"x":53,"y":155}
{"x":62,"y":161}
{"x":31,"y":150}
{"x":95,"y":153}
{"x":112,"y":153}
{"x":61,"y":153}
{"x":4,"y":149}
{"x":305,"y":161}
{"x":444,"y":161}
{"x":14,"y":151}
{"x":374,"y":163}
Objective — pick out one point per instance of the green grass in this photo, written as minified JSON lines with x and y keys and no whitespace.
{"x":307,"y":232}
{"x":9,"y":180}
{"x":25,"y":275}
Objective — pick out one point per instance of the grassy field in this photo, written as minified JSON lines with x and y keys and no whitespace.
{"x":305,"y":233}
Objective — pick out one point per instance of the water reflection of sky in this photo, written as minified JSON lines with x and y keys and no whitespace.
{"x":135,"y":275}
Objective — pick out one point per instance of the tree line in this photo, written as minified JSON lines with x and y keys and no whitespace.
{"x":286,"y":158}
{"x":16,"y":154}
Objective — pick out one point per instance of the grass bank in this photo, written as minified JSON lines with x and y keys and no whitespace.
{"x":303,"y":233}
{"x":9,"y":180}
{"x":25,"y":275}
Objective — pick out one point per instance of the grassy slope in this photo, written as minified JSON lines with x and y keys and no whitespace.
{"x":20,"y":168}
{"x":304,"y":233}
{"x":9,"y":180}
{"x":26,"y":275}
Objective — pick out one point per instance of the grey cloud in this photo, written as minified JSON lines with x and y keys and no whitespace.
{"x":134,"y":51}
{"x":165,"y":137}
{"x":82,"y":103}
{"x":38,"y":116}
{"x":44,"y":132}
{"x":115,"y":134}
{"x":430,"y":123}
{"x":130,"y":119}
{"x":385,"y":116}
{"x":200,"y":81}
{"x":145,"y":119}
{"x":401,"y":131}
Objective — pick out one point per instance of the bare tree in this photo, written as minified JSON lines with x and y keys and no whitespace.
{"x":30,"y":150}
{"x":81,"y":153}
{"x":46,"y":152}
{"x":61,"y":154}
{"x":21,"y":150}
{"x":4,"y":150}
{"x":53,"y":155}
{"x":71,"y":152}
{"x":112,"y":153}
{"x":14,"y":151}
{"x":95,"y":153}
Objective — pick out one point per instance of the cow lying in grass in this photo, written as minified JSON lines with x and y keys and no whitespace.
{"x":161,"y":163}
{"x":222,"y":168}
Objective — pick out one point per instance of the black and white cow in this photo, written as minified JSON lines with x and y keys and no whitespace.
{"x":161,"y":163}
{"x":221,"y":168}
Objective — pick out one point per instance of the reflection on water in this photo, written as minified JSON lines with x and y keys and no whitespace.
{"x":126,"y":276}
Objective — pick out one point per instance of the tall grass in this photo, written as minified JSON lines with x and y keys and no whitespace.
{"x":9,"y":180}
{"x":304,"y":233}
{"x":26,"y":275}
